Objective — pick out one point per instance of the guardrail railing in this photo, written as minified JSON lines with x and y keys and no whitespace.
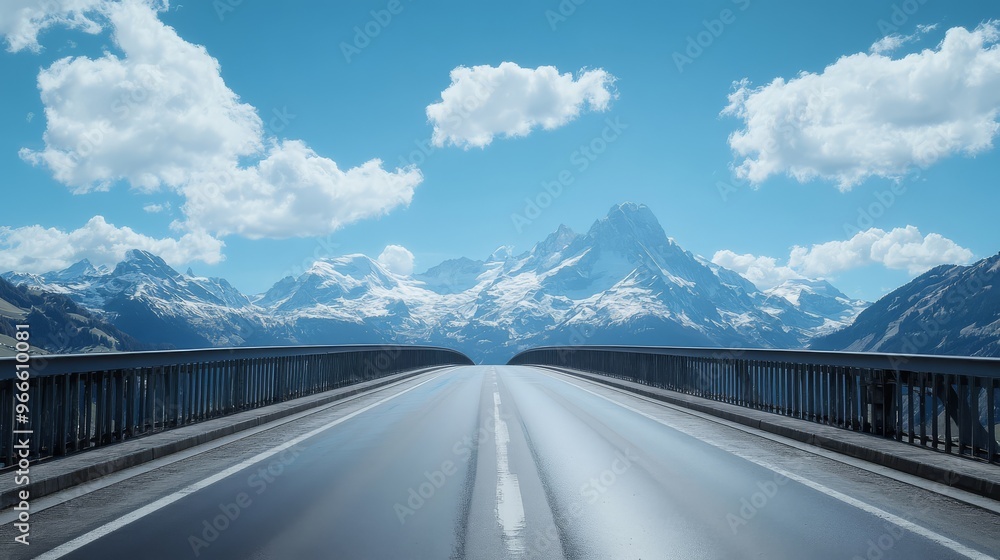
{"x":941,"y":402}
{"x":59,"y":404}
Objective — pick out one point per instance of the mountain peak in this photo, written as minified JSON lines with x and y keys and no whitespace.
{"x":635,"y":215}
{"x":138,"y":255}
{"x":557,"y":240}
{"x":452,"y":276}
{"x":638,"y":213}
{"x":348,"y":265}
{"x":799,"y":285}
{"x":629,"y":223}
{"x":451,"y":265}
{"x":501,"y":254}
{"x":352,"y":269}
{"x":138,"y":260}
{"x":75,"y":271}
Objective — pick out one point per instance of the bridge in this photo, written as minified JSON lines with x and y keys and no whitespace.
{"x":565,"y":452}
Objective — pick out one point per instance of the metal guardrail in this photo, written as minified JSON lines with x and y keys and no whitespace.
{"x":941,"y":402}
{"x":77,"y":402}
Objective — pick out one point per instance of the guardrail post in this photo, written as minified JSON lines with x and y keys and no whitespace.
{"x":45,"y":434}
{"x":100,"y":408}
{"x":991,"y":420}
{"x":61,"y":417}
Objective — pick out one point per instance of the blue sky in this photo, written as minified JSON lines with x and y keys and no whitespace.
{"x":863,"y":136}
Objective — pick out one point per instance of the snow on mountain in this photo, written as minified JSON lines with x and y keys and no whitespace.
{"x":623,"y":275}
{"x":453,"y":276}
{"x":730,"y":278}
{"x":352,"y":289}
{"x":154,"y":303}
{"x":822,"y":308}
{"x":623,"y":281}
{"x":637,"y":272}
{"x":36,"y":281}
{"x":950,"y":309}
{"x":58,"y":325}
{"x":78,"y":272}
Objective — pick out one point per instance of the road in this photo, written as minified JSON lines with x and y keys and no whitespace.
{"x":505,"y":463}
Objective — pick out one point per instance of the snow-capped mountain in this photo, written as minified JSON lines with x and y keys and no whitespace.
{"x":822,"y":308}
{"x":154,"y":303}
{"x":452,"y":276}
{"x":949,"y":309}
{"x":65,"y":281}
{"x":623,"y":281}
{"x":58,"y":325}
{"x":351,"y":298}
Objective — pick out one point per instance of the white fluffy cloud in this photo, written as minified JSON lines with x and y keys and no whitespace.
{"x":161,"y":116}
{"x":156,"y":208}
{"x":890,"y":43}
{"x":894,"y":41}
{"x":397,"y":259}
{"x":22,"y":20}
{"x":901,"y":249}
{"x":763,"y":272}
{"x":294,"y":192}
{"x":153,"y":117}
{"x":870,"y":115}
{"x":37,"y":249}
{"x":486,"y":101}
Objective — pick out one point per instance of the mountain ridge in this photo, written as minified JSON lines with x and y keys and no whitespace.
{"x":622,"y":281}
{"x":57,"y":324}
{"x":950,"y":309}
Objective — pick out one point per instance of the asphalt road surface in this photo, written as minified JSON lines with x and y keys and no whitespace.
{"x":506,"y":462}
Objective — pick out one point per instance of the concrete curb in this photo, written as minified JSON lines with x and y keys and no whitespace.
{"x":966,"y":474}
{"x":95,"y":463}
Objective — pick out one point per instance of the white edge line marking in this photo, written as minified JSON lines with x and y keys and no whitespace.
{"x":942,"y":540}
{"x":927,"y":485}
{"x":165,"y":501}
{"x":85,"y":488}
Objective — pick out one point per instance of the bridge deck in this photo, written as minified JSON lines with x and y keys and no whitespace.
{"x":509,"y":462}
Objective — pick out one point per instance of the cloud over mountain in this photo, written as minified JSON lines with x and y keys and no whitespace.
{"x":901,"y":249}
{"x":38,"y":249}
{"x":160,"y":116}
{"x":397,"y":259}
